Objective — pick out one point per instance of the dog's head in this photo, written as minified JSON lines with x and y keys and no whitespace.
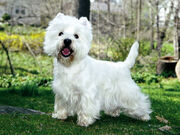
{"x":68,"y":38}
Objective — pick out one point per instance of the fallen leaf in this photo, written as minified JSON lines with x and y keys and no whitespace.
{"x":161,"y":119}
{"x":165,"y":128}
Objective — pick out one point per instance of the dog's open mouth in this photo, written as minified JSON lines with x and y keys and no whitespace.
{"x":66,"y":51}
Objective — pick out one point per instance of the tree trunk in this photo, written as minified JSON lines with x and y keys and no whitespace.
{"x":152,"y":26}
{"x":131,"y":12}
{"x":84,"y":8}
{"x":157,"y":27}
{"x":9,"y":60}
{"x":177,"y":32}
{"x":162,"y":34}
{"x":132,"y":26}
{"x":166,"y":65}
{"x":124,"y":19}
{"x":109,"y":9}
{"x":75,"y":8}
{"x":62,"y":6}
{"x":139,"y":20}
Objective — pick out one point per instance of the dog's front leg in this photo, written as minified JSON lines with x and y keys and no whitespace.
{"x":88,"y":109}
{"x":60,"y":108}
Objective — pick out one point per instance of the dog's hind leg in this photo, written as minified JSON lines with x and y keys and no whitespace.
{"x":132,"y":101}
{"x":138,"y":107}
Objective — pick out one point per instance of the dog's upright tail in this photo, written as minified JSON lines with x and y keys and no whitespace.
{"x":130,"y":60}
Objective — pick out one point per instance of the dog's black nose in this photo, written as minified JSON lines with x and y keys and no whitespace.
{"x":67,"y":41}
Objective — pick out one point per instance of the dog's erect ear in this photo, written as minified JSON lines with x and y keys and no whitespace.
{"x":59,"y":15}
{"x":84,"y":21}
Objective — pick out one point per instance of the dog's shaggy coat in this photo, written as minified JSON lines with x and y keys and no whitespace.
{"x":85,"y":86}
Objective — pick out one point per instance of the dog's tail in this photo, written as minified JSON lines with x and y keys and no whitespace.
{"x":130,"y":60}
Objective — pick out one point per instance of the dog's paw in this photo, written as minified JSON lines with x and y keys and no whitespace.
{"x":85,"y":121}
{"x":114,"y":113}
{"x":145,"y":117}
{"x":59,"y":115}
{"x":54,"y":115}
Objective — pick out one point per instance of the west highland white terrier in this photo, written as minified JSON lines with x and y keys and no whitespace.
{"x":85,"y":86}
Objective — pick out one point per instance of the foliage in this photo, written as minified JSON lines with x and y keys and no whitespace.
{"x":12,"y":41}
{"x":27,"y":70}
{"x":1,"y":28}
{"x":7,"y":81}
{"x":6,"y":17}
{"x":26,"y":65}
{"x":146,"y":78}
{"x":167,"y":49}
{"x":18,"y":42}
{"x":120,"y":48}
{"x":22,"y":30}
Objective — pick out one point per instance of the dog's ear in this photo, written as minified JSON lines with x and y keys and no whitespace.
{"x":59,"y":15}
{"x":84,"y":21}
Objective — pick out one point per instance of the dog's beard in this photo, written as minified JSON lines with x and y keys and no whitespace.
{"x":66,"y":55}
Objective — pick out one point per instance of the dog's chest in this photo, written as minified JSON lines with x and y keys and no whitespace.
{"x":71,"y":83}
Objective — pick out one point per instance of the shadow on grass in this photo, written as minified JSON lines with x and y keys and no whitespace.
{"x":3,"y":68}
{"x":172,"y":90}
{"x":34,"y":98}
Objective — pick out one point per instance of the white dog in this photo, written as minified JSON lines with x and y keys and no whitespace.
{"x":86,"y":86}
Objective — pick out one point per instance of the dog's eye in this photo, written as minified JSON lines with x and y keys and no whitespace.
{"x":61,"y":33}
{"x":76,"y":36}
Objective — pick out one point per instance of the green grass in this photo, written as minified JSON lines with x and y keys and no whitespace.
{"x":165,"y":103}
{"x":25,"y":64}
{"x":22,"y":30}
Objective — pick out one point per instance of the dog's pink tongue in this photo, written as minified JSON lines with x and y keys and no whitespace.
{"x":66,"y":51}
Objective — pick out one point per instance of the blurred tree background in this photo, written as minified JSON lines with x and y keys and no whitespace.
{"x":116,"y":25}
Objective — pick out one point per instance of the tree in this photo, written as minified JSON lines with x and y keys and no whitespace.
{"x":109,"y":8}
{"x":139,"y":19}
{"x":49,"y":8}
{"x":157,"y":25}
{"x":177,"y":31}
{"x":8,"y":57}
{"x":124,"y":17}
{"x":84,"y":8}
{"x":152,"y":18}
{"x":161,"y":34}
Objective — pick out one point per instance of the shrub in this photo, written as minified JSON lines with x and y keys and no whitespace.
{"x":6,"y":17}
{"x":18,"y":42}
{"x":12,"y":41}
{"x":7,"y":81}
{"x":1,"y":28}
{"x":120,"y":48}
{"x":146,"y":78}
{"x":167,"y":49}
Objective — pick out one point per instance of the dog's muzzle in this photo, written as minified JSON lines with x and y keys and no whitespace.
{"x":66,"y":50}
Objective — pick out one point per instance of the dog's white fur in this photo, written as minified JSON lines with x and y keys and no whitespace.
{"x":86,"y":86}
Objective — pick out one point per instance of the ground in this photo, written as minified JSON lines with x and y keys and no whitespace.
{"x":165,"y":104}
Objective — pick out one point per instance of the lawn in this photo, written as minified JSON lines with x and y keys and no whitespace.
{"x":165,"y":104}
